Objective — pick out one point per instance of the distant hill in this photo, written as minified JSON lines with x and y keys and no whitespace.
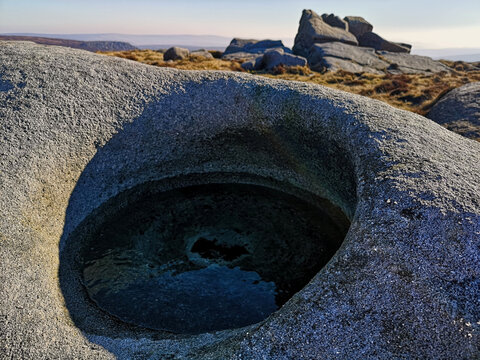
{"x":154,"y":42}
{"x":84,"y":45}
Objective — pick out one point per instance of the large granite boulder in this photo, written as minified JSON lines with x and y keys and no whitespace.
{"x":339,"y":56}
{"x":313,"y":29}
{"x":335,"y":21}
{"x":81,"y":130}
{"x":372,"y":40}
{"x":250,"y":48}
{"x":176,"y":53}
{"x":459,"y":111}
{"x":358,"y":26}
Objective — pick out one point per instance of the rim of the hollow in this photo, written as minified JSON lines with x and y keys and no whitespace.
{"x":119,"y":328}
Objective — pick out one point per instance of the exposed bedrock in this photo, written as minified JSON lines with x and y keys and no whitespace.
{"x":86,"y":137}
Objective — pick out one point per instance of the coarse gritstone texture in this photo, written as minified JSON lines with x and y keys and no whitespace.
{"x":79,"y":128}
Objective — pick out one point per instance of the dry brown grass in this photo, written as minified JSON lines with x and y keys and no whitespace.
{"x":152,"y":57}
{"x":413,"y":92}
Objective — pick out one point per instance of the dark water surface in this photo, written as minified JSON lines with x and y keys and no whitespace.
{"x":206,"y":257}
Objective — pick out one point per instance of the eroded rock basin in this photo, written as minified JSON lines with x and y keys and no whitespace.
{"x":206,"y":257}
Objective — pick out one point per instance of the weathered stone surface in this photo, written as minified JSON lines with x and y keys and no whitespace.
{"x":202,"y":53}
{"x":412,"y":64}
{"x":273,"y":58}
{"x":241,"y":55}
{"x":357,"y":25}
{"x":278,"y":57}
{"x":79,"y":128}
{"x":254,"y":63}
{"x":335,"y":21}
{"x":339,"y":56}
{"x":176,"y":53}
{"x":459,"y":111}
{"x":313,"y":29}
{"x":372,"y":40}
{"x":250,"y":48}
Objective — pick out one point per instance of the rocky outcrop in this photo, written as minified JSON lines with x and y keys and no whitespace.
{"x":338,"y":56}
{"x":272,"y":59}
{"x":327,"y":49}
{"x":375,"y":41}
{"x":80,"y":129}
{"x":250,"y":48}
{"x":335,"y":21}
{"x":357,"y":25}
{"x":459,"y":111}
{"x":313,"y":29}
{"x":176,"y":53}
{"x":411,"y":64}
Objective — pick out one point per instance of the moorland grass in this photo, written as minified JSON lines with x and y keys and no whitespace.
{"x":412,"y":92}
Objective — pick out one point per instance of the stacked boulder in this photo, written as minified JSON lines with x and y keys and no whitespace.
{"x":314,"y":30}
{"x":330,"y":43}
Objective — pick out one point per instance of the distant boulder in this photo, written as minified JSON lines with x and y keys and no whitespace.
{"x":273,"y":58}
{"x":278,"y":57}
{"x":176,"y":53}
{"x":313,"y":29}
{"x":357,"y":25}
{"x":250,"y":48}
{"x":335,"y":21}
{"x":370,"y":39}
{"x":202,"y":53}
{"x":459,"y":111}
{"x":255,"y":63}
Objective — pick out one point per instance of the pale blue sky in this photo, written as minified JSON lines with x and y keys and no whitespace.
{"x":426,"y":24}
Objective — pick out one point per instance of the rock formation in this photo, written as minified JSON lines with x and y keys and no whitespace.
{"x":176,"y":53}
{"x":339,"y":56}
{"x":323,"y":42}
{"x":313,"y":29}
{"x":80,"y":129}
{"x":335,"y":56}
{"x":459,"y":111}
{"x":250,"y":48}
{"x":273,"y":58}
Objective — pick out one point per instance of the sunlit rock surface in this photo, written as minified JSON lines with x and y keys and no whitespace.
{"x":79,"y":129}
